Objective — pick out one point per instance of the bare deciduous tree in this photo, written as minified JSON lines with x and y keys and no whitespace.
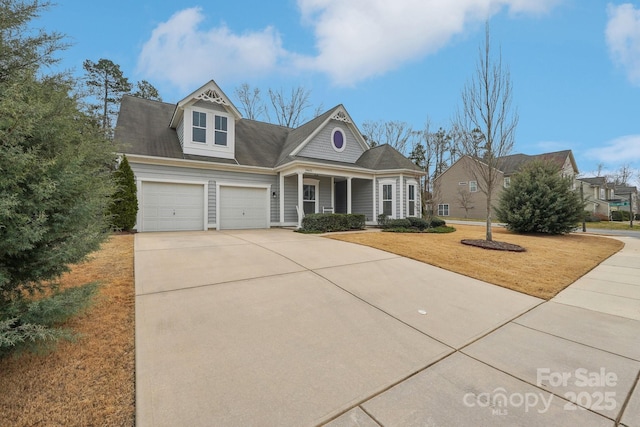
{"x":289,"y":109}
{"x":250,"y":101}
{"x":397,"y":134}
{"x":465,"y":198}
{"x":623,"y":175}
{"x":486,"y":106}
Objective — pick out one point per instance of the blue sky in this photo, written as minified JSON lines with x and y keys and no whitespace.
{"x":575,"y":64}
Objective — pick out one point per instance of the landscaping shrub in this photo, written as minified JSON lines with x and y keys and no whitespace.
{"x":620,"y":216}
{"x":356,"y":221}
{"x":540,"y":200}
{"x":437,"y":222}
{"x":382,"y":220}
{"x":412,"y":225}
{"x":419,"y":223}
{"x":398,"y":223}
{"x":323,"y":223}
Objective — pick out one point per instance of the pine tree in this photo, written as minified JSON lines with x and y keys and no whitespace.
{"x":106,"y":82}
{"x":540,"y":200}
{"x":55,"y":184}
{"x":124,"y":206}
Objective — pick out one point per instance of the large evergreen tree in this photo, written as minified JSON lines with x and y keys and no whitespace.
{"x":55,"y":183}
{"x":540,"y":200}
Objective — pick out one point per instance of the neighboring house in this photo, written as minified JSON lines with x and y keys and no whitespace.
{"x":457,"y":192}
{"x":598,"y":195}
{"x":199,"y":165}
{"x":625,"y":198}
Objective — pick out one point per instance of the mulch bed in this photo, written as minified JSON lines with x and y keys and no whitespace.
{"x":497,"y":246}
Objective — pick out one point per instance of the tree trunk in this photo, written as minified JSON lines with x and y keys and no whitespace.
{"x":489,"y":235}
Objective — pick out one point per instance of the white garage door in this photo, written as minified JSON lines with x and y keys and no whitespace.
{"x":172,"y":207}
{"x":243,"y":207}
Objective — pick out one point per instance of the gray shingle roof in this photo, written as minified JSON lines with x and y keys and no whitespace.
{"x":512,"y":163}
{"x":385,"y":157}
{"x":143,"y":129}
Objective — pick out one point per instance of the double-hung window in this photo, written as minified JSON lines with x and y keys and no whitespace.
{"x":443,"y":209}
{"x":411,"y":200}
{"x":221,"y":131}
{"x":387,"y":199}
{"x":199,"y":127}
{"x":473,"y":186}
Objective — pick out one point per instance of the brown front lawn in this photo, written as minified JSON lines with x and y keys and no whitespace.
{"x":89,"y":382}
{"x":549,"y":264}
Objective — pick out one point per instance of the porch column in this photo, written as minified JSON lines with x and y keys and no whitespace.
{"x":402,"y":198}
{"x":281,"y":195}
{"x":375,"y":217}
{"x":300,"y":199}
{"x":349,"y":195}
{"x":333,"y":193}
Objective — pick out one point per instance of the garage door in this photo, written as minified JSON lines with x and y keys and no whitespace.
{"x":243,"y":207}
{"x":172,"y":207}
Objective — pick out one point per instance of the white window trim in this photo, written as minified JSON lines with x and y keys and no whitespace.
{"x":344,"y":139}
{"x":393,"y":184}
{"x":226,"y":132}
{"x":476,"y":186}
{"x":416,"y":198}
{"x":507,"y":182}
{"x":193,"y":126}
{"x":443,"y":205}
{"x":315,"y":183}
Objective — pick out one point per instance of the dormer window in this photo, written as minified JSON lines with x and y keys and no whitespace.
{"x":220,"y":130}
{"x":199,"y":127}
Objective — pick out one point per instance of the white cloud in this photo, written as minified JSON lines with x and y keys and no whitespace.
{"x":180,"y":52}
{"x":354,"y":40}
{"x":358,"y":39}
{"x":623,"y":38}
{"x":622,"y":150}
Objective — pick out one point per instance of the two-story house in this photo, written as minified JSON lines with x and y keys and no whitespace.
{"x":457,"y":192}
{"x":200,"y":165}
{"x":598,"y":194}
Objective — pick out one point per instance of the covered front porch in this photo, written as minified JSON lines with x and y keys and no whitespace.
{"x":307,"y":191}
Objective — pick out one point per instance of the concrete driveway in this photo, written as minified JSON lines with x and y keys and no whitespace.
{"x":275,"y":328}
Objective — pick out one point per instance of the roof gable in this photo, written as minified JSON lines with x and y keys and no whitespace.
{"x":210,"y":92}
{"x":338,"y":113}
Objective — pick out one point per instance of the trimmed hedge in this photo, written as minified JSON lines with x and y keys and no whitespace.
{"x":323,"y":223}
{"x":420,"y":224}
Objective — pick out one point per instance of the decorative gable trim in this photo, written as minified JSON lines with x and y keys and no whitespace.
{"x":210,"y":92}
{"x":340,"y":114}
{"x":211,"y":95}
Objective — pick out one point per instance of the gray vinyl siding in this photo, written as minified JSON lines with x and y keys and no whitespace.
{"x":213,"y":177}
{"x":325,"y":193}
{"x":320,"y":147}
{"x":362,"y":197}
{"x":206,"y":105}
{"x":290,"y":198}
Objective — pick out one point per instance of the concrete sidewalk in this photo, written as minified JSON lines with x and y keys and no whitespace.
{"x":277,"y":328}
